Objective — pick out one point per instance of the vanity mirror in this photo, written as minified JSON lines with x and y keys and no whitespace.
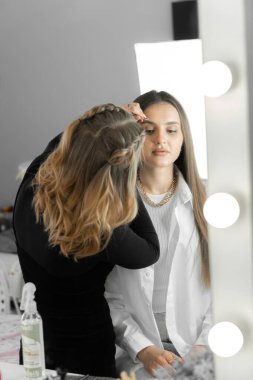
{"x":226,"y":32}
{"x":60,"y":57}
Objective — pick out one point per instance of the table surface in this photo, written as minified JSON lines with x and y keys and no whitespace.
{"x":12,"y":371}
{"x":10,"y":335}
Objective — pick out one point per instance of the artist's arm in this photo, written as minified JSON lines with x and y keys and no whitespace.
{"x":136,"y":245}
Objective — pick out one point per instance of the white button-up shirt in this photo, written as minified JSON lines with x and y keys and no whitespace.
{"x":188,"y":302}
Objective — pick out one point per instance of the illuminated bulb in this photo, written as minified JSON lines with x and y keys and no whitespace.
{"x":216,"y":78}
{"x":225,"y":339}
{"x":221,"y":210}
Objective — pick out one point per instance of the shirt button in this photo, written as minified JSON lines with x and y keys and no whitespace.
{"x":148,"y":274}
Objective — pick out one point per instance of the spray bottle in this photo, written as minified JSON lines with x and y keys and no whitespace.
{"x":32,"y":335}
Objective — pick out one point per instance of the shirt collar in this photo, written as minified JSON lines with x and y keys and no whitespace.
{"x":183,"y":191}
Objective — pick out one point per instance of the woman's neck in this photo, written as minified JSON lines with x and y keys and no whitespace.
{"x":156,"y":180}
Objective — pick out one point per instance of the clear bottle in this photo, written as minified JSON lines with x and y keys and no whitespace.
{"x":32,"y":335}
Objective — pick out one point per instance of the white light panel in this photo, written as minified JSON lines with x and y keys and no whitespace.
{"x":175,"y":67}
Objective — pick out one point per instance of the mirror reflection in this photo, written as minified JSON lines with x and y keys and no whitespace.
{"x":57,"y":61}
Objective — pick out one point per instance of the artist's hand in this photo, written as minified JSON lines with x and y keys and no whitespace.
{"x":135,"y":110}
{"x":156,"y":359}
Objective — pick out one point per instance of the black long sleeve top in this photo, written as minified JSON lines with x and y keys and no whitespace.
{"x":78,"y":331}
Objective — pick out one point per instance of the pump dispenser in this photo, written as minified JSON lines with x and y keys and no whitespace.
{"x":32,"y":335}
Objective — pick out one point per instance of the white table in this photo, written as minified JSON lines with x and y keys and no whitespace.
{"x":11,"y":371}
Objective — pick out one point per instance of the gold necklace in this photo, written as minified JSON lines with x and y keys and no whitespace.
{"x":165,"y":199}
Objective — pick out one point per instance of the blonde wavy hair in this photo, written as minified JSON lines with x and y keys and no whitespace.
{"x":186,"y":163}
{"x":86,"y":186}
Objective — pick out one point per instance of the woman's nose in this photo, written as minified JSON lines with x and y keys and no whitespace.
{"x":160,"y":138}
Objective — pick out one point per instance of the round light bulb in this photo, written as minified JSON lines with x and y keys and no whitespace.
{"x":221,"y":210}
{"x":225,"y":339}
{"x":216,"y":78}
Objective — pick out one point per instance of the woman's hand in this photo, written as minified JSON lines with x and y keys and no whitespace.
{"x":197,"y":349}
{"x":135,"y":110}
{"x":124,"y":376}
{"x":157,"y":360}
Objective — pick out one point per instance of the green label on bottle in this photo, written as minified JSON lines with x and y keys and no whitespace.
{"x":32,"y":350}
{"x":31,"y":331}
{"x":33,"y":373}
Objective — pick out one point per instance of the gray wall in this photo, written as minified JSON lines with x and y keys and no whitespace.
{"x":60,"y":57}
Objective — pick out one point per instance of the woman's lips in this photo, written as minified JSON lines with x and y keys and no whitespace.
{"x":160,"y":152}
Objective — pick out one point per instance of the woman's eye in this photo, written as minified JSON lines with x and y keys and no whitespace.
{"x":172,"y":130}
{"x":149,"y":131}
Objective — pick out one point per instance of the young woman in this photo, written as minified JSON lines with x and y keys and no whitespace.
{"x":75,"y":217}
{"x":160,"y":313}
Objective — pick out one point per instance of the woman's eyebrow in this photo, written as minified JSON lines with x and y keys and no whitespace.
{"x":172,"y":123}
{"x":148,"y":121}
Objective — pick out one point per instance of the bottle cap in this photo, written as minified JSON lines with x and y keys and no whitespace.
{"x":27,"y":301}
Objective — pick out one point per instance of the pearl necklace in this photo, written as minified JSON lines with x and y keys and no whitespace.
{"x":165,"y":199}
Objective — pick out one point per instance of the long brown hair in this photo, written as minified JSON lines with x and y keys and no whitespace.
{"x":86,"y":186}
{"x":186,"y":163}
